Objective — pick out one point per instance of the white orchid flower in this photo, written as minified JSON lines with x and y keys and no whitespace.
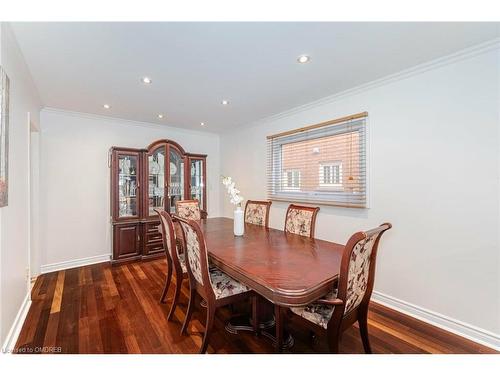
{"x":234,"y":194}
{"x":226,"y":181}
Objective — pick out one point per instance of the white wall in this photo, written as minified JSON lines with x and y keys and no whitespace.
{"x":434,"y":167}
{"x":75,"y":179}
{"x":15,"y":220}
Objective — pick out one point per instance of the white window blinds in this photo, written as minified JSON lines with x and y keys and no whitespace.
{"x":320,"y":164}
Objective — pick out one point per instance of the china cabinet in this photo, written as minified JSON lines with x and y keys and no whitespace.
{"x":143,"y":180}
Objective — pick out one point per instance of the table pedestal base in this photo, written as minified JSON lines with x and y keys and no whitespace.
{"x":244,"y":323}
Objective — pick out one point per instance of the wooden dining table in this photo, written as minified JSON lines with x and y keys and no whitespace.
{"x":284,"y":268}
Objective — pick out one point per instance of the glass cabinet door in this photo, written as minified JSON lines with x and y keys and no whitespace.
{"x":156,"y":180}
{"x":128,"y":185}
{"x":196,"y":183}
{"x":176,"y":178}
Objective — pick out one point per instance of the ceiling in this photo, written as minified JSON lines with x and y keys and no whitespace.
{"x":194,"y":66}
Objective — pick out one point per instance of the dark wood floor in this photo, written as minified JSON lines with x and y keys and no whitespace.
{"x":104,"y":309}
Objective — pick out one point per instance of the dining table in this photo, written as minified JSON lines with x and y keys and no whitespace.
{"x":284,"y":268}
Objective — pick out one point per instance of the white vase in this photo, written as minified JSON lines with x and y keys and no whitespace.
{"x":239,"y":224}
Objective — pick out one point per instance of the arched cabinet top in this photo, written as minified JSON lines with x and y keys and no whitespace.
{"x":161,"y":142}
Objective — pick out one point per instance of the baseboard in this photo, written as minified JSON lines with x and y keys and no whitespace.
{"x":17,"y":325}
{"x":74,"y":263}
{"x":457,"y":327}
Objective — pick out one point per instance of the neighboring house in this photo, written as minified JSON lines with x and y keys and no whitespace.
{"x":331,"y":164}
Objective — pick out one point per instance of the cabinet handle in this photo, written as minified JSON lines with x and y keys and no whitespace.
{"x":138,"y":237}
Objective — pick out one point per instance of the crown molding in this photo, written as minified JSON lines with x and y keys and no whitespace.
{"x":407,"y":73}
{"x":110,"y":119}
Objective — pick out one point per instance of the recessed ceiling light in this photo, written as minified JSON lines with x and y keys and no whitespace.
{"x":225,"y":102}
{"x":160,"y":116}
{"x":302,"y":59}
{"x":146,"y":80}
{"x":202,"y":123}
{"x":107,"y":106}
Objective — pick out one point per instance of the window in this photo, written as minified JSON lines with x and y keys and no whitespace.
{"x":330,"y":174}
{"x":291,"y":180}
{"x":322,"y":164}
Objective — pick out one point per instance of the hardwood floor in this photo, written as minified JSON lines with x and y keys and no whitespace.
{"x":104,"y":309}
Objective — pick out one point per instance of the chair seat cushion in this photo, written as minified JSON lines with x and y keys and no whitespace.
{"x":317,"y":313}
{"x":225,"y":286}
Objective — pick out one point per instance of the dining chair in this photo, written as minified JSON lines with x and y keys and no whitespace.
{"x":188,"y":209}
{"x":213,"y":285}
{"x":175,"y":260}
{"x":342,"y":307}
{"x":301,"y":220}
{"x":257,"y":212}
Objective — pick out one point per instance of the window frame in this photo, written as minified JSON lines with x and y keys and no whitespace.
{"x":323,"y":195}
{"x":291,"y":188}
{"x":321,"y":176}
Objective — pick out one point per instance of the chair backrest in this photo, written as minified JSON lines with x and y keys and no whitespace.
{"x":301,"y":220}
{"x":257,"y":212}
{"x":168,"y":234}
{"x":197,"y":256}
{"x":188,"y":209}
{"x":357,"y":270}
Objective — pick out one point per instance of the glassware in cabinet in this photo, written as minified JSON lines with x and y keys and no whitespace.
{"x":128,"y":185}
{"x":176,"y":178}
{"x":156,"y":180}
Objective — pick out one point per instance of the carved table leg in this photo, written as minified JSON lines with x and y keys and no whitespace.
{"x":245,"y":322}
{"x":278,"y":315}
{"x":255,"y":315}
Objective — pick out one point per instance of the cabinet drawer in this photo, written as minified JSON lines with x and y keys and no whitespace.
{"x":152,"y":227}
{"x":154,"y":248}
{"x":152,"y":234}
{"x":153,"y":237}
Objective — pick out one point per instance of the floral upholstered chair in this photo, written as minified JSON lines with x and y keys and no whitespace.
{"x":301,"y":220}
{"x":343,"y":306}
{"x":188,"y":209}
{"x":257,"y":212}
{"x":175,"y":260}
{"x":213,"y":285}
